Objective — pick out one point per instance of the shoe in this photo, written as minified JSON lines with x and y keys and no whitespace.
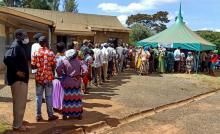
{"x":53,"y":117}
{"x":43,"y":100}
{"x":80,"y":117}
{"x":65,"y":117}
{"x":21,"y":129}
{"x":39,"y":118}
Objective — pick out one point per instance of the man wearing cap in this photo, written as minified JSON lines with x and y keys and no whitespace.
{"x":17,"y":76}
{"x":44,"y":61}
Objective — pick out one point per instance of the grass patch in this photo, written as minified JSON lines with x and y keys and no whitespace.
{"x":3,"y":127}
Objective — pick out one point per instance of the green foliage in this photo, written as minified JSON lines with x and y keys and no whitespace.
{"x":156,"y":22}
{"x":36,"y":4}
{"x":211,"y":36}
{"x":139,"y":32}
{"x":70,"y":6}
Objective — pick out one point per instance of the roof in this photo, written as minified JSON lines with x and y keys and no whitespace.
{"x":179,"y":34}
{"x":67,"y":21}
{"x":20,"y":19}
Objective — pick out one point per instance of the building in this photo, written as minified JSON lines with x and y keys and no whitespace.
{"x":60,"y":26}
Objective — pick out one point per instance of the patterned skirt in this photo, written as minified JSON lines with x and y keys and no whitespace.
{"x":72,"y":103}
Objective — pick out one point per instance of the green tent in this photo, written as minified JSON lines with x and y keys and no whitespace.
{"x":178,"y":35}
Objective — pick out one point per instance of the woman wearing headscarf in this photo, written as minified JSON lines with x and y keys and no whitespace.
{"x":74,"y":70}
{"x":144,"y":69}
{"x":161,"y":61}
{"x":57,"y":87}
{"x":189,"y":63}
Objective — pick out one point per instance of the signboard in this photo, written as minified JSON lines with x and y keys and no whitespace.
{"x":165,"y":45}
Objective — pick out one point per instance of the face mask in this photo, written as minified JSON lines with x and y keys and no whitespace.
{"x":25,"y":41}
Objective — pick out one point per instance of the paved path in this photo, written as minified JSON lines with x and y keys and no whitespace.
{"x":120,"y":97}
{"x":200,"y":117}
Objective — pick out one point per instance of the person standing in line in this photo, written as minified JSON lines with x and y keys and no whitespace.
{"x":161,"y":60}
{"x":170,"y":61}
{"x":44,"y":61}
{"x":120,"y":51}
{"x":182,"y":62}
{"x":189,"y":63}
{"x":151,"y":61}
{"x":213,"y":60}
{"x":177,"y":60}
{"x":97,"y":63}
{"x":58,"y":92}
{"x":74,"y":70}
{"x":110,"y":50}
{"x":35,"y":47}
{"x":88,"y":59}
{"x":105,"y":61}
{"x":203,"y":58}
{"x":17,"y":75}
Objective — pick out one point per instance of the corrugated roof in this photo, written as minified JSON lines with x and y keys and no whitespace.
{"x":67,"y":21}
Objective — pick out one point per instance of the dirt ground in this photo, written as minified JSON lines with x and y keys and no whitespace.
{"x":119,"y":97}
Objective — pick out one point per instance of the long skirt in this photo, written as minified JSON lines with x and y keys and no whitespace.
{"x":144,"y":69}
{"x":58,"y":95}
{"x":72,"y":103}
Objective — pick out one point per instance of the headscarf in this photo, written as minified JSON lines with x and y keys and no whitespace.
{"x":146,"y":48}
{"x":71,"y":54}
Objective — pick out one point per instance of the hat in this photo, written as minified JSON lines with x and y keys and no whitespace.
{"x":43,"y":39}
{"x":20,"y":34}
{"x":37,"y":36}
{"x":71,"y":54}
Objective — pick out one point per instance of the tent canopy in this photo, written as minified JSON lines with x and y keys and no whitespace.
{"x":178,"y":35}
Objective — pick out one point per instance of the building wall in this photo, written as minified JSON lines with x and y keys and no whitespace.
{"x":2,"y":45}
{"x":101,"y":37}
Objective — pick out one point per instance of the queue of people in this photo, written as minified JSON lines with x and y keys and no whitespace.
{"x":148,"y":60}
{"x":63,"y":77}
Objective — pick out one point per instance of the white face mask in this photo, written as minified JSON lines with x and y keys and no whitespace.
{"x":25,"y":41}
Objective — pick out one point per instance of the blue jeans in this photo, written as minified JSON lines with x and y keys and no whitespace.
{"x":48,"y":88}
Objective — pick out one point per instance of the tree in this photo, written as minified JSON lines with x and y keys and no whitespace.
{"x":139,"y":32}
{"x":155,"y":22}
{"x":36,"y":4}
{"x":11,"y":3}
{"x":70,"y":6}
{"x":211,"y":36}
{"x":54,"y":4}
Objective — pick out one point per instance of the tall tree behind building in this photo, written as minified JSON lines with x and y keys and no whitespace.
{"x":70,"y":6}
{"x":156,"y":22}
{"x":36,"y":4}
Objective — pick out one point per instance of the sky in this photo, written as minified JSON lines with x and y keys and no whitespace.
{"x":198,"y":14}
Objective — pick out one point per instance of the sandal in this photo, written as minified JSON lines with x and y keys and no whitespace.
{"x":21,"y":129}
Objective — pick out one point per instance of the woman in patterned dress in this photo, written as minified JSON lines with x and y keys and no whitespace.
{"x":74,"y":69}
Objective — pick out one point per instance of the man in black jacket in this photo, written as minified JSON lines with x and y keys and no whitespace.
{"x":17,"y":76}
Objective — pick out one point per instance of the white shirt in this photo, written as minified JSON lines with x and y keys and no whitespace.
{"x":177,"y":55}
{"x":34,"y":48}
{"x":110,"y":53}
{"x":104,"y":55}
{"x":97,"y":58}
{"x":120,"y":50}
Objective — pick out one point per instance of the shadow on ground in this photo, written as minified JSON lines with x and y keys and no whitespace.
{"x":105,"y":92}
